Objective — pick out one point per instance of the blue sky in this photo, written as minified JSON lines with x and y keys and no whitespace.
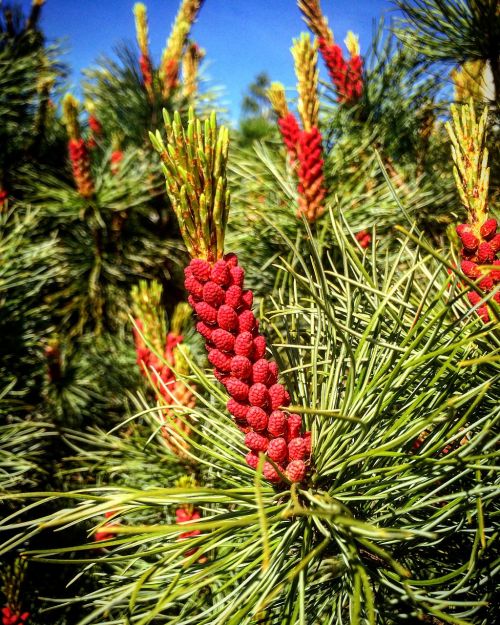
{"x":241,"y":37}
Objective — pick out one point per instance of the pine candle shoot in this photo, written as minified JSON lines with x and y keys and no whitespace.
{"x":194,"y":164}
{"x":479,"y":237}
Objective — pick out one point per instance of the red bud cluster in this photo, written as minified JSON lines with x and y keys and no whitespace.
{"x":12,"y":617}
{"x":237,"y":352}
{"x":171,"y":75}
{"x":116,"y":159}
{"x":146,"y":71}
{"x":347,"y":76}
{"x":480,"y":246}
{"x":187,"y":515}
{"x":172,"y":390}
{"x":290,"y":131}
{"x":106,"y":534}
{"x":95,"y":125}
{"x":182,"y":515}
{"x":80,"y":163}
{"x":310,"y":172}
{"x":3,"y":197}
{"x":364,"y":238}
{"x":96,"y":131}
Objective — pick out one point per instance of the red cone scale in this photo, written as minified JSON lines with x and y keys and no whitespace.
{"x":238,"y":353}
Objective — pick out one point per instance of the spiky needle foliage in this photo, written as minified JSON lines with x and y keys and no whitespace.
{"x":453,"y":30}
{"x":383,"y":528}
{"x":396,"y":377}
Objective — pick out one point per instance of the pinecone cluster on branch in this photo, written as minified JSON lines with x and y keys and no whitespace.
{"x":304,"y":145}
{"x":479,"y":237}
{"x":235,"y":346}
{"x":346,"y":75}
{"x":160,"y":361}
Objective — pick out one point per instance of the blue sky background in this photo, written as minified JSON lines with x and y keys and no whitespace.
{"x":241,"y":37}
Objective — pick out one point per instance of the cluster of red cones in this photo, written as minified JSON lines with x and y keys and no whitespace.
{"x":13,"y":617}
{"x":237,"y":351}
{"x":481,"y":246}
{"x":347,"y":76}
{"x":80,"y":162}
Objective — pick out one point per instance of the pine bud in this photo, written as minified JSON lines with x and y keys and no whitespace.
{"x":213,"y":294}
{"x":296,"y":449}
{"x":258,"y":395}
{"x":243,"y":344}
{"x":257,"y":418}
{"x":270,"y":473}
{"x":223,"y":340}
{"x":296,"y":471}
{"x":239,"y":411}
{"x":485,"y":253}
{"x":256,"y":442}
{"x":277,"y":423}
{"x":277,"y":450}
{"x":233,"y":296}
{"x":259,"y":348}
{"x":227,"y":318}
{"x":277,"y":396}
{"x":260,"y":371}
{"x":237,"y":389}
{"x":220,"y":273}
{"x":200,"y":269}
{"x":488,"y":228}
{"x":206,"y":313}
{"x":241,"y":367}
{"x":220,"y":360}
{"x":246,"y":321}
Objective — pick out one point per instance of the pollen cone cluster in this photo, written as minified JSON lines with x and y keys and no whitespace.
{"x":237,"y":352}
{"x":159,"y":359}
{"x":77,"y":149}
{"x":235,"y":347}
{"x":310,"y":175}
{"x":346,"y":75}
{"x":12,"y":617}
{"x":141,"y":28}
{"x":173,"y":53}
{"x":303,"y":145}
{"x":287,"y":122}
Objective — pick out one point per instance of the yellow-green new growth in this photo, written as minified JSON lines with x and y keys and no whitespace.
{"x":305,"y":56}
{"x":147,"y":307}
{"x":194,"y":162}
{"x":171,"y":57}
{"x":70,"y":107}
{"x":470,"y":155}
{"x":277,"y":98}
{"x":141,"y":27}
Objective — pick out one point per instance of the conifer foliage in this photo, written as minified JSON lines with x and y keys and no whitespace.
{"x":265,"y":393}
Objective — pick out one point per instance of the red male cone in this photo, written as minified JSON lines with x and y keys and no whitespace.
{"x":77,"y":149}
{"x":215,"y":282}
{"x":346,"y":75}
